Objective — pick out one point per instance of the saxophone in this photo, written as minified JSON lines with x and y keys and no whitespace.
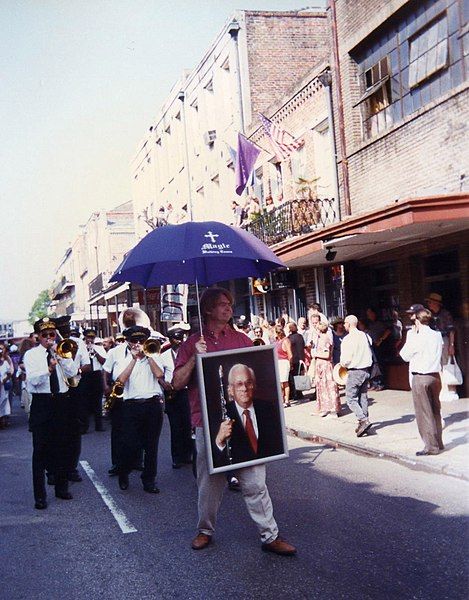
{"x":117,"y":393}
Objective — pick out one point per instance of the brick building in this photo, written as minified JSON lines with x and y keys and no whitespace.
{"x":184,"y":162}
{"x":399,"y":81}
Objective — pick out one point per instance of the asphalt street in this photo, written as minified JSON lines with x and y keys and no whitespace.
{"x":364,"y":528}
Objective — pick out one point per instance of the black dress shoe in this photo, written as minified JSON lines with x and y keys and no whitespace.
{"x":177,"y":465}
{"x":75,"y":476}
{"x":50,"y":479}
{"x":151,"y":488}
{"x":123,"y":482}
{"x":63,"y":495}
{"x":113,"y":470}
{"x":40,"y":504}
{"x":425,"y":453}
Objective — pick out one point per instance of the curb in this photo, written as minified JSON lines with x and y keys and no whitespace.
{"x":375,"y":453}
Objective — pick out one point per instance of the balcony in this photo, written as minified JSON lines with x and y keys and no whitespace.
{"x":61,"y":289}
{"x":293,"y":218}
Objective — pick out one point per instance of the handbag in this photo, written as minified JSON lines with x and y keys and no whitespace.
{"x":451,"y":373}
{"x":303,"y":383}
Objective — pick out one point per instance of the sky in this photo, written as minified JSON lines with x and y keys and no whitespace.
{"x":81,"y":81}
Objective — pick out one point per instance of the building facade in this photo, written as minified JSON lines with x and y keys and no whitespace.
{"x":89,"y":262}
{"x":184,"y":167}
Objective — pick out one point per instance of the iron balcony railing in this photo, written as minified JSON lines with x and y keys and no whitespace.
{"x":292,"y":218}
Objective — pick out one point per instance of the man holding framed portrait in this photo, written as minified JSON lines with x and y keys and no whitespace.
{"x":216,"y":306}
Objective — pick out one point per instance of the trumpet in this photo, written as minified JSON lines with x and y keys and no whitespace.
{"x":117,"y":393}
{"x":151,"y":347}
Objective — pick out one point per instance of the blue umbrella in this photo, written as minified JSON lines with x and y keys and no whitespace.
{"x":196,"y":252}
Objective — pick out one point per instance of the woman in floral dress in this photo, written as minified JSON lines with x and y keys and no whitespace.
{"x":327,"y":392}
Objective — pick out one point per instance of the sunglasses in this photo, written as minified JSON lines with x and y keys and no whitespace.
{"x":48,"y":335}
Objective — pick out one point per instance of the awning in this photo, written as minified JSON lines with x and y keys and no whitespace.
{"x":362,"y":235}
{"x":115,"y":291}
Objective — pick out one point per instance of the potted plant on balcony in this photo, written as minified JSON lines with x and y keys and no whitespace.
{"x":306,"y":213}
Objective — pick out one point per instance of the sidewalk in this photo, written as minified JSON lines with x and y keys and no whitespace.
{"x":394,"y":434}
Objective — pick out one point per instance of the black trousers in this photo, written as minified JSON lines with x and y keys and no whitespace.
{"x":116,"y":430}
{"x":91,"y":387}
{"x":49,"y":422}
{"x":74,"y":446}
{"x":179,"y":415}
{"x":141,"y":427}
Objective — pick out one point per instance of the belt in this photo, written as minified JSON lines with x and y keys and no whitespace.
{"x":144,"y":400}
{"x":426,"y":374}
{"x":358,"y":368}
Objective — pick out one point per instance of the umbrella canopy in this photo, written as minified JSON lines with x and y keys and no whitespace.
{"x":196,"y":252}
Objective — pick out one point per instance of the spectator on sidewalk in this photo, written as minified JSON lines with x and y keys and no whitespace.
{"x":327,"y":391}
{"x":379,"y":332}
{"x":315,"y":309}
{"x":284,"y":355}
{"x":422,"y":350}
{"x":298,"y":356}
{"x":338,"y":334}
{"x":356,"y":357}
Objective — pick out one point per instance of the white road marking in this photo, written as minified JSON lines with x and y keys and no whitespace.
{"x":125,"y":525}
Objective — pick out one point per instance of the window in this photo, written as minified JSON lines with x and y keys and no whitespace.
{"x":377,"y":97}
{"x":428,"y":51}
{"x":377,"y":87}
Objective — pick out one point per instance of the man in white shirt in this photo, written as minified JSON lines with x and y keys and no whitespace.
{"x":46,"y":377}
{"x":142,"y":409}
{"x":422,"y":351}
{"x":177,"y":402}
{"x":356,"y":357}
{"x":92,"y":382}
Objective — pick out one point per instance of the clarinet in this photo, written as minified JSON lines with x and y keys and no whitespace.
{"x":224,"y":414}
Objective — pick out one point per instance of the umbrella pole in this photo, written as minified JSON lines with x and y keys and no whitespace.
{"x":198,"y":305}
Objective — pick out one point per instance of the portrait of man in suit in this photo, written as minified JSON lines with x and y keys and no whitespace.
{"x":252,"y":429}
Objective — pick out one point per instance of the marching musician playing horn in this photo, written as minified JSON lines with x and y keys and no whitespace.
{"x":142,"y":408}
{"x":46,"y":376}
{"x":93,"y":382}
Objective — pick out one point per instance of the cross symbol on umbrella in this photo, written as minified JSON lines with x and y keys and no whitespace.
{"x":212,"y":236}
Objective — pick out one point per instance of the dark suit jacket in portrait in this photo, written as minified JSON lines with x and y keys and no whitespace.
{"x":269,"y":441}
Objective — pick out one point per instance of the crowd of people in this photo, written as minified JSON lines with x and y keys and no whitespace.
{"x":62,"y":376}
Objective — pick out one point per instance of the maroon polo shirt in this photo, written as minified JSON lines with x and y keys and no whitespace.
{"x":228,"y":339}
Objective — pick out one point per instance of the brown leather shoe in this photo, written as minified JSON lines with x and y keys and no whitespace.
{"x":279,"y":546}
{"x":201,"y":541}
{"x":363,"y":427}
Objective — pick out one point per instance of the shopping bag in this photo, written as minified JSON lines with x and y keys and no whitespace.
{"x":303,"y":383}
{"x":451,"y":373}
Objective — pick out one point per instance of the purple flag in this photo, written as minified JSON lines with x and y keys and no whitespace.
{"x":245,"y":160}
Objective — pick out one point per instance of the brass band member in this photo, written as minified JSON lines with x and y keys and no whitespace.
{"x":46,"y":377}
{"x":142,"y":409}
{"x":93,"y":382}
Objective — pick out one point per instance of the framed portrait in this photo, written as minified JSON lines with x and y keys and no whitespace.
{"x":242,"y":407}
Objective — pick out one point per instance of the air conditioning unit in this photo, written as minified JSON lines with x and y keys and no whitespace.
{"x":210,"y":137}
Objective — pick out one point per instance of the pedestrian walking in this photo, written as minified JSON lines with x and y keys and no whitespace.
{"x":422,"y":350}
{"x":356,"y":357}
{"x":216,"y":306}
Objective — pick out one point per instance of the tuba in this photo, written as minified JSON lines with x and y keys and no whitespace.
{"x":117,"y":393}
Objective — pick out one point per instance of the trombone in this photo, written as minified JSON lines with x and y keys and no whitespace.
{"x":68,"y":348}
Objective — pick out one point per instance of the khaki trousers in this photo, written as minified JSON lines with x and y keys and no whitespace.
{"x":253,"y":488}
{"x":425,"y":394}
